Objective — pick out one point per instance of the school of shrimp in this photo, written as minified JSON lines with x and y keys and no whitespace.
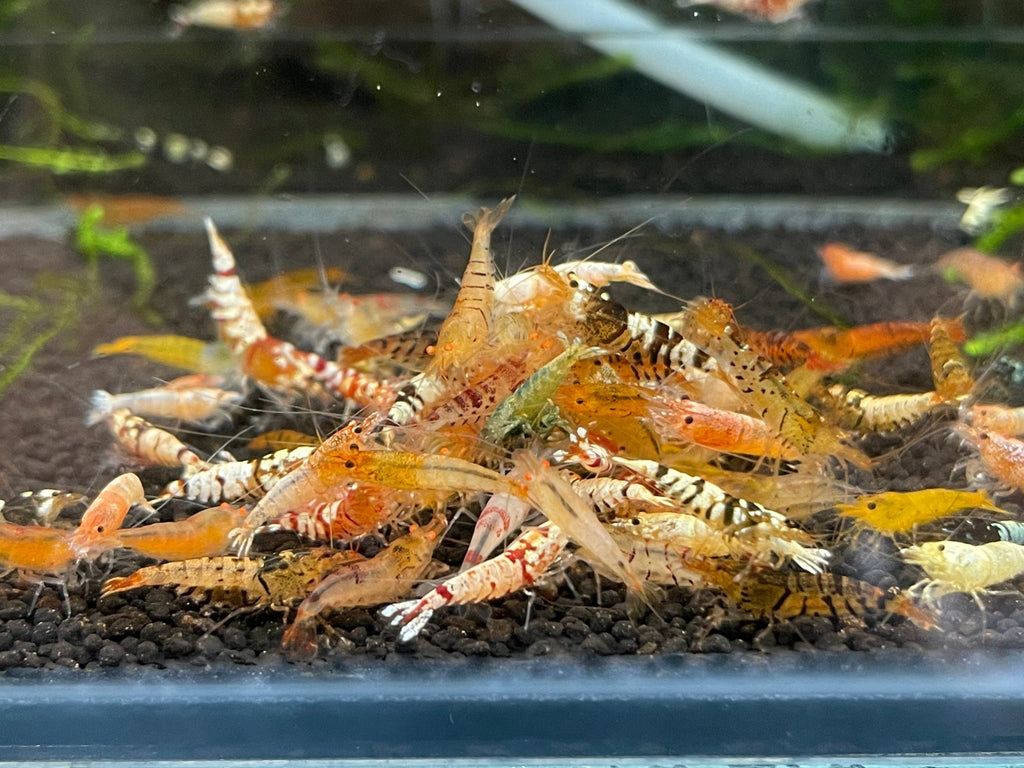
{"x":536,"y":436}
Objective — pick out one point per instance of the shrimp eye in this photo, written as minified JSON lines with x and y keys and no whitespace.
{"x":941,"y":547}
{"x":358,"y":430}
{"x":636,"y":521}
{"x":983,"y":436}
{"x":100,"y":528}
{"x":349,"y":464}
{"x":872,"y":505}
{"x":353,"y":447}
{"x":688,"y":420}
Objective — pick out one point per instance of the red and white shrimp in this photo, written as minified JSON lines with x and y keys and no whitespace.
{"x":522,"y":562}
{"x":502,"y":514}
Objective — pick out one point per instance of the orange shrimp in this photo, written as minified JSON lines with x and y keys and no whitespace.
{"x":119,"y":210}
{"x":183,"y":352}
{"x":268,"y":296}
{"x":989,"y":276}
{"x":106,"y":513}
{"x":834,"y":349}
{"x":382,"y":578}
{"x":36,"y":548}
{"x":227,"y":14}
{"x":953,"y":381}
{"x":717,"y":429}
{"x":150,"y":444}
{"x":1002,"y":457}
{"x":467,"y":327}
{"x":997,"y":418}
{"x":522,"y":562}
{"x":844,"y":265}
{"x":204,"y":534}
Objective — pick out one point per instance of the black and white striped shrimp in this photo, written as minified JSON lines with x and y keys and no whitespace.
{"x":231,"y":480}
{"x":523,"y":562}
{"x":619,"y":496}
{"x":861,"y":411}
{"x":148,"y":443}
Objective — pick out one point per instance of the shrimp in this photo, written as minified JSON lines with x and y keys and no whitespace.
{"x":283,"y":291}
{"x":272,"y":581}
{"x":1002,"y":457}
{"x":149,"y":444}
{"x":106,"y":512}
{"x":769,"y":534}
{"x":340,"y":458}
{"x":212,"y":358}
{"x":237,"y":479}
{"x":203,"y":534}
{"x":37,"y":549}
{"x":502,"y":514}
{"x":522,"y":562}
{"x":524,"y":409}
{"x":858,"y":410}
{"x":953,"y":566}
{"x":952,"y":380}
{"x":619,"y":496}
{"x":359,"y":509}
{"x":718,"y":429}
{"x":180,"y":399}
{"x":238,"y":324}
{"x":834,"y":349}
{"x":661,"y":558}
{"x":844,"y":265}
{"x":895,"y":512}
{"x":846,"y":600}
{"x":997,"y":418}
{"x":989,"y":276}
{"x":467,"y":327}
{"x":712,"y":326}
{"x":50,"y":502}
{"x":227,"y":14}
{"x":601,"y":273}
{"x":380,"y":579}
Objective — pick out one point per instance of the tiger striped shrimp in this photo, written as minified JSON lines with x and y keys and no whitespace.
{"x":188,"y":399}
{"x":276,"y":581}
{"x":524,"y":410}
{"x":236,"y":479}
{"x":686,"y":559}
{"x":844,"y":265}
{"x":105,"y":514}
{"x":996,"y":418}
{"x":380,"y":579}
{"x":720,"y":430}
{"x":976,"y":531}
{"x":341,"y":458}
{"x":1001,"y":457}
{"x":518,"y":566}
{"x":861,"y":411}
{"x":468,"y":325}
{"x":502,"y":514}
{"x":480,"y":398}
{"x":203,"y":534}
{"x":150,"y":444}
{"x":845,"y":600}
{"x":764,"y":533}
{"x":896,"y":512}
{"x":988,"y":276}
{"x":712,"y":327}
{"x":953,"y":382}
{"x":213,"y":358}
{"x":409,"y":351}
{"x":553,"y":495}
{"x":797,"y":494}
{"x":952,"y":566}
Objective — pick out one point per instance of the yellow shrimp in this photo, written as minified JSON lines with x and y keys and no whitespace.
{"x":466,"y":329}
{"x":952,"y":380}
{"x":209,"y":357}
{"x":952,"y":566}
{"x":896,"y":512}
{"x":150,"y":444}
{"x":381,"y":579}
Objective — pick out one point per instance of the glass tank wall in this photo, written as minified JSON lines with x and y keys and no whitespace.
{"x":721,"y":420}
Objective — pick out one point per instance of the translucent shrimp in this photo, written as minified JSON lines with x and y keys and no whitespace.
{"x":953,"y":381}
{"x":381,"y":579}
{"x":468,"y":326}
{"x":210,"y":357}
{"x":953,"y":566}
{"x":988,"y":276}
{"x":185,"y":399}
{"x":502,"y":514}
{"x":283,"y":291}
{"x":895,"y":512}
{"x":106,"y":512}
{"x":601,"y":273}
{"x":150,"y":444}
{"x":522,"y":562}
{"x":203,"y":534}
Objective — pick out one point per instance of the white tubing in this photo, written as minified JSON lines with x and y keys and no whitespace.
{"x":727,"y":82}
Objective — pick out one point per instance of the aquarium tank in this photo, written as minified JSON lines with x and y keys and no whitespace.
{"x":512,"y":382}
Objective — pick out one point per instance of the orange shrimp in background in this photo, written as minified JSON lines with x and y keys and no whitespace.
{"x":989,"y":276}
{"x":844,"y":265}
{"x":835,"y":349}
{"x":269,"y":295}
{"x":119,"y":210}
{"x":1001,"y":457}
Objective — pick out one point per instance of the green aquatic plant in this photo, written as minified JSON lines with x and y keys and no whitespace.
{"x":1003,"y":224}
{"x":989,"y":342}
{"x":61,"y":160}
{"x":94,"y":241}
